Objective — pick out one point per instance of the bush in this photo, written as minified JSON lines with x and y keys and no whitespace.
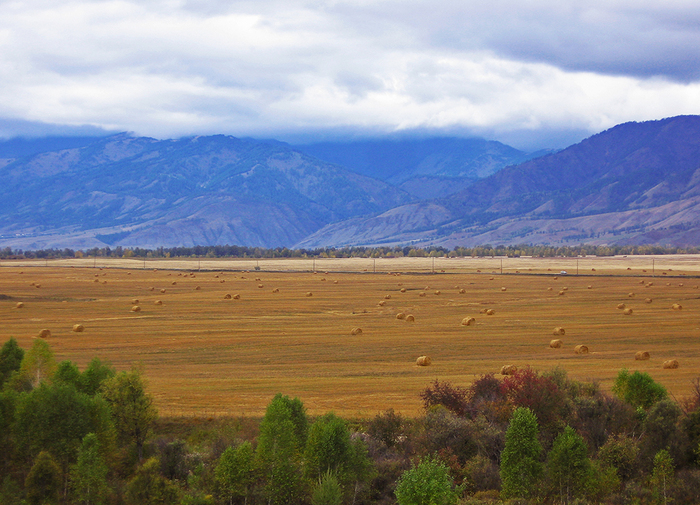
{"x":444,"y":393}
{"x":638,"y":389}
{"x":428,"y":483}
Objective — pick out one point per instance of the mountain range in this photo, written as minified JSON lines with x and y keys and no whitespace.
{"x":634,"y":183}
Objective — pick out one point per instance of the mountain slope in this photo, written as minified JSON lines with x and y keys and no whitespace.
{"x":651,"y":166}
{"x":201,"y":190}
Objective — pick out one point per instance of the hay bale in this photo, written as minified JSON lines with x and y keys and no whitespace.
{"x":309,"y":293}
{"x":403,"y":290}
{"x":490,"y":278}
{"x":276,"y":290}
{"x":356,"y":331}
{"x":173,"y":283}
{"x":227,"y":296}
{"x":549,"y":289}
{"x":508,"y":369}
{"x":37,"y":285}
{"x":462,"y":291}
{"x":422,"y":293}
{"x":437,"y":292}
{"x":260,"y":286}
{"x":197,"y":288}
{"x":621,"y":306}
{"x":671,"y":364}
{"x":236,"y":296}
{"x":561,"y":293}
{"x":564,"y":288}
{"x":490,"y":312}
{"x":162,"y":290}
{"x":382,"y":303}
{"x":386,"y":297}
{"x":677,"y":306}
{"x":423,"y":361}
{"x":630,"y":295}
{"x":45,"y":333}
{"x":134,"y":301}
{"x":136,"y":308}
{"x":400,"y":315}
{"x":78,"y":328}
{"x":559,"y":331}
{"x":19,"y":305}
{"x":581,"y":349}
{"x":556,"y":343}
{"x":628,"y":311}
{"x":650,"y":284}
{"x":642,"y":281}
{"x":503,"y":289}
{"x":641,"y":355}
{"x":97,"y":280}
{"x":592,"y":269}
{"x":151,"y":289}
{"x":647,"y":300}
{"x":158,"y":302}
{"x":468,"y":321}
{"x":589,"y":287}
{"x":410,"y":318}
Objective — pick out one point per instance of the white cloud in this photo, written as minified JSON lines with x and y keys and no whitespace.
{"x":273,"y":68}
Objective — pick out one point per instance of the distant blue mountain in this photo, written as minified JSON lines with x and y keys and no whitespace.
{"x":22,"y":147}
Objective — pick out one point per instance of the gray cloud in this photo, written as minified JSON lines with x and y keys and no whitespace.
{"x":509,"y":70}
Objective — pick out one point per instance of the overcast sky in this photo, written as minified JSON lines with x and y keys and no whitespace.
{"x":531,"y":73}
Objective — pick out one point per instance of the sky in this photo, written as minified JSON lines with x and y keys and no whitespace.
{"x":530,"y":73}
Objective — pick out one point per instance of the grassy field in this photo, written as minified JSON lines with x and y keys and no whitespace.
{"x":204,"y":354}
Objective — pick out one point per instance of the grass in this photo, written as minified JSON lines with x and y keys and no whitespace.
{"x":207,"y":356}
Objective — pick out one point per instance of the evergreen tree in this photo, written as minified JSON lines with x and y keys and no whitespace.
{"x":43,"y":483}
{"x":89,"y":474}
{"x":327,"y":491}
{"x":521,"y":468}
{"x":11,"y":356}
{"x":568,"y":466}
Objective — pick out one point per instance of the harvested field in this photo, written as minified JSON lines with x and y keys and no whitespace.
{"x":203,"y":354}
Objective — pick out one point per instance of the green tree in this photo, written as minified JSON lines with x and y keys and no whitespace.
{"x":94,"y":375}
{"x":327,"y":491}
{"x":38,"y":365}
{"x":132,"y":408}
{"x":235,"y":472}
{"x":149,"y":487}
{"x":8,"y":403}
{"x":67,"y":372}
{"x":568,"y":466}
{"x":43,"y":483}
{"x":11,"y":356}
{"x":328,"y":448}
{"x":278,"y":453}
{"x":662,"y":476}
{"x":428,"y":483}
{"x":89,"y":475}
{"x":521,"y":468}
{"x":638,"y":389}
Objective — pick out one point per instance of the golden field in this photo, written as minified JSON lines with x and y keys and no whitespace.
{"x":204,"y":354}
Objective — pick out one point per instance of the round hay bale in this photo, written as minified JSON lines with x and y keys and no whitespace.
{"x":78,"y":328}
{"x":136,"y":308}
{"x":559,"y":331}
{"x":581,"y":349}
{"x":197,"y":288}
{"x":592,"y":269}
{"x":642,"y":281}
{"x":400,"y":315}
{"x":309,"y":293}
{"x":158,"y":302}
{"x":589,"y":287}
{"x":490,"y":312}
{"x":19,"y":305}
{"x":621,"y":306}
{"x":556,"y":278}
{"x":556,"y":343}
{"x":680,"y":284}
{"x":677,"y":306}
{"x":97,"y":280}
{"x":503,"y":289}
{"x":173,"y":283}
{"x":356,"y":331}
{"x":227,"y":296}
{"x":641,"y":355}
{"x":648,"y":300}
{"x":468,"y":321}
{"x":151,"y":289}
{"x":45,"y":333}
{"x":382,"y":303}
{"x":628,"y":311}
{"x":162,"y":290}
{"x":134,"y":301}
{"x":438,"y":292}
{"x":260,"y":286}
{"x":423,"y":361}
{"x":630,"y":295}
{"x":508,"y":369}
{"x":564,"y":288}
{"x":561,"y":293}
{"x":650,"y":284}
{"x":422,"y":293}
{"x":410,"y":318}
{"x":276,"y":290}
{"x":386,"y":297}
{"x":236,"y":296}
{"x":462,"y":291}
{"x":490,"y":278}
{"x":549,"y":289}
{"x":37,"y":285}
{"x":671,"y":364}
{"x":335,"y":282}
{"x":403,"y":290}
{"x":426,"y":288}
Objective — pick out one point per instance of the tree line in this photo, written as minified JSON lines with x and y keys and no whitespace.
{"x":234,"y":251}
{"x":94,"y":437}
